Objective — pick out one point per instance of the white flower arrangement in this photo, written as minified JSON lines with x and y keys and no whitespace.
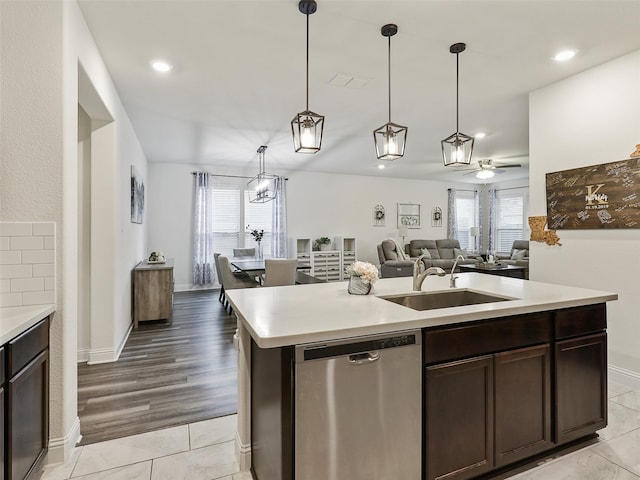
{"x":367,"y":272}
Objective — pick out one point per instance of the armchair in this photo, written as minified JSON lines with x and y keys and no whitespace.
{"x":390,"y":265}
{"x":519,"y":254}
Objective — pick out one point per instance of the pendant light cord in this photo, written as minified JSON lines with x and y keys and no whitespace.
{"x":307,"y":15}
{"x":457,"y":93}
{"x":389,"y":73}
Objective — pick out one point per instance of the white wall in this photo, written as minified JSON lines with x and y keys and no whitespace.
{"x":589,"y":119}
{"x":318,"y":204}
{"x":41,"y":45}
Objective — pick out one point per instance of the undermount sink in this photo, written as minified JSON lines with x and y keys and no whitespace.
{"x":453,"y":298}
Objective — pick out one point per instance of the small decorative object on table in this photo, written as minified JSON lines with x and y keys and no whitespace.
{"x":323,"y":243}
{"x":362,"y":276}
{"x":257,"y":236}
{"x":157,"y":257}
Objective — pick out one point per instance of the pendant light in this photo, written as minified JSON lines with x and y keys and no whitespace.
{"x":261,"y":188}
{"x":306,"y":127}
{"x":458,"y":147}
{"x":391,"y":138}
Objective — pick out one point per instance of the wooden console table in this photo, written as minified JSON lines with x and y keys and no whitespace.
{"x":153,"y":291}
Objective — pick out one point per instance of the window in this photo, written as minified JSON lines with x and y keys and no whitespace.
{"x":232,"y":212}
{"x":511,"y":210}
{"x":467,"y":216}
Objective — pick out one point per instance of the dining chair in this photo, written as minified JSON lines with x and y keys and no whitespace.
{"x":279,"y":271}
{"x":222,"y":298}
{"x":231,"y":280}
{"x":244,"y":252}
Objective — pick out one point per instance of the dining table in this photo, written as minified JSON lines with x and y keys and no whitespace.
{"x":256,"y":267}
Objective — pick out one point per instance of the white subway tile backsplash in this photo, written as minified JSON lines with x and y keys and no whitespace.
{"x":16,"y":229}
{"x":44,"y":228}
{"x":9,"y":257}
{"x":16,"y":271}
{"x":27,"y":284}
{"x":26,"y":243}
{"x":44,"y":270}
{"x":38,"y":256}
{"x":38,"y":298}
{"x":27,"y":260}
{"x":11,"y":300}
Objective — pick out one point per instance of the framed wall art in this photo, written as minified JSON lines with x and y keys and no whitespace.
{"x":409,"y":215}
{"x":137,"y":196}
{"x":601,"y":196}
{"x":378,"y":216}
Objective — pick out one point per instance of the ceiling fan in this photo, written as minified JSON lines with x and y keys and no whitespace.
{"x":487,"y":169}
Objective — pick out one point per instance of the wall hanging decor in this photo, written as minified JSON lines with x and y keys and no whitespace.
{"x":595,"y":197}
{"x":409,"y":215}
{"x":636,"y":153}
{"x":378,"y":216}
{"x":539,"y":234}
{"x":436,"y":217}
{"x":137,"y":196}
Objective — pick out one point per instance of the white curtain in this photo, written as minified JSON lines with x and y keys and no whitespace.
{"x":452,"y":224}
{"x":203,"y":261}
{"x":279,"y":219}
{"x":491,"y":197}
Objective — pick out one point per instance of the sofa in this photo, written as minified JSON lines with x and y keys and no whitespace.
{"x":390,"y":264}
{"x":442,"y":253}
{"x":518,"y":256}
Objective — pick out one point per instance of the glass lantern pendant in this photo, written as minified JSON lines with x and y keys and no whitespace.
{"x":391,"y":138}
{"x":457,"y":148}
{"x":307,"y":126}
{"x":261,"y":188}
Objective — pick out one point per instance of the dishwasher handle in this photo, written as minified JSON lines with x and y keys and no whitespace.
{"x":363,"y":358}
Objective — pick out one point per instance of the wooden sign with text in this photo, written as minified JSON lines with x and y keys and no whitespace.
{"x":599,"y":196}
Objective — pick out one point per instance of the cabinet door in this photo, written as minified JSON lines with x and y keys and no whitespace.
{"x":523,"y":403}
{"x":459,"y":419}
{"x":581,"y":386}
{"x":28,"y":419}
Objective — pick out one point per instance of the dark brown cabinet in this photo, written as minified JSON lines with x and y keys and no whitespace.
{"x":26,"y":401}
{"x":459,"y":419}
{"x":580,"y":372}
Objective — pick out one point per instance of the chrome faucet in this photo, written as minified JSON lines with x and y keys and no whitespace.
{"x":418,"y":277}
{"x":452,"y":280}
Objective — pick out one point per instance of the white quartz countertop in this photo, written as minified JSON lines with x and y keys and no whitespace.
{"x":15,"y":320}
{"x":297,"y":314}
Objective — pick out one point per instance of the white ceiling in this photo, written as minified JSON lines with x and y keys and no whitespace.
{"x":239,"y":73}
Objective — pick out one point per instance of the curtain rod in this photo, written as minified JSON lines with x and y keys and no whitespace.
{"x":461,"y":190}
{"x":510,"y":188}
{"x":229,"y":176}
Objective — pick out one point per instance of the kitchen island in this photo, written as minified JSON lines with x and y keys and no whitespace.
{"x":515,"y":368}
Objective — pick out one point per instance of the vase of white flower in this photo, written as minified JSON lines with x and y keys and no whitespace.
{"x":362,"y":276}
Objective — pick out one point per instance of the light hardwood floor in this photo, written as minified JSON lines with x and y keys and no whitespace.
{"x":166,"y":375}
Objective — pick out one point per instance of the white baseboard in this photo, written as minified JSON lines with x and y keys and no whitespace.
{"x":189,"y":287}
{"x":60,"y":448}
{"x":83,"y":355}
{"x":243,"y":454}
{"x":624,"y":376}
{"x":108,"y":355}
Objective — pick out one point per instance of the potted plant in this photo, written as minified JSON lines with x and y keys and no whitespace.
{"x":323,"y":243}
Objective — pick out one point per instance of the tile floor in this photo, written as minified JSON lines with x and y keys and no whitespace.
{"x":205,"y":451}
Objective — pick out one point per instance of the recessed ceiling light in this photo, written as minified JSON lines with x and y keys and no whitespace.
{"x":381,"y":167}
{"x":480,"y":135}
{"x":161,"y":66}
{"x":564,"y":55}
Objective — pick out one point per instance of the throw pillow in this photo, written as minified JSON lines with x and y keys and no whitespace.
{"x":518,"y":254}
{"x":457,"y":251}
{"x":426,"y":252}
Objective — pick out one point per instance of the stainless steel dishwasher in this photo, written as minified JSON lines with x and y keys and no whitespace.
{"x":358,"y":408}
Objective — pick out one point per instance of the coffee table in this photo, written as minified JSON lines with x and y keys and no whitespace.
{"x":513,"y":271}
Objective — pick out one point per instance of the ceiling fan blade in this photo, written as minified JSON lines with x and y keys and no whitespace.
{"x":472,"y":172}
{"x":497,"y":170}
{"x":509,"y":166}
